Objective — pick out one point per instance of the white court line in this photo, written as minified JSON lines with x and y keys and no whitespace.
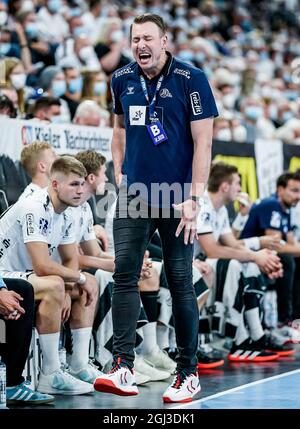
{"x":235,"y":389}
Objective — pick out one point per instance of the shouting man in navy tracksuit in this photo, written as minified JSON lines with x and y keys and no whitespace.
{"x":161,"y":150}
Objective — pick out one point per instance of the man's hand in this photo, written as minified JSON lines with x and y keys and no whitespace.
{"x":272,"y":242}
{"x":146,"y":267}
{"x":189,"y":210}
{"x":204,"y":268}
{"x":9,"y":304}
{"x":66,"y":310}
{"x":88,"y":289}
{"x":101,"y":236}
{"x":245,"y":203}
{"x":269,"y":263}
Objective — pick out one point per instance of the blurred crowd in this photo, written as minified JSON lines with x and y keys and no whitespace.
{"x":66,"y":50}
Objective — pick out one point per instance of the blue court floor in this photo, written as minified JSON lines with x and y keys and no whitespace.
{"x":279,"y":392}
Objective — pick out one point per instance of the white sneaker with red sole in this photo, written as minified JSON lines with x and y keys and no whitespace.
{"x":119,"y":381}
{"x":184,"y":387}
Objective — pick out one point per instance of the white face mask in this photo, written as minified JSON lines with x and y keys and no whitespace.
{"x":3,"y":17}
{"x":224,"y":134}
{"x":229,"y":100}
{"x":18,"y":80}
{"x":117,"y":36}
{"x":86,"y":53}
{"x":239,"y":134}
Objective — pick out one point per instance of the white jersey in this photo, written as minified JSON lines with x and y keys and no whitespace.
{"x":29,"y":190}
{"x":295,"y":221}
{"x":83,"y":222}
{"x":212,"y":221}
{"x":109,"y":219}
{"x":32,"y":219}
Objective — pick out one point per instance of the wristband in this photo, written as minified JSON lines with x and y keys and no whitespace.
{"x":82,"y":279}
{"x":196,"y":199}
{"x":252,"y":243}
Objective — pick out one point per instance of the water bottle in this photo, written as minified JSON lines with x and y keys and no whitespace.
{"x":2,"y":384}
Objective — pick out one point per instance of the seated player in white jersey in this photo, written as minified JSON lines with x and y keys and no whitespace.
{"x":239,"y":282}
{"x":30,"y":231}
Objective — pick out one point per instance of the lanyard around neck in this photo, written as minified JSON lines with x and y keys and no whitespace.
{"x":153,"y":101}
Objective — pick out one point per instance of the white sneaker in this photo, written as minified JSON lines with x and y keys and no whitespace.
{"x":183,"y":388}
{"x":141,"y":378}
{"x":61,"y":382}
{"x":160,"y":360}
{"x":120,"y":381}
{"x":148,"y":368}
{"x":89,"y":373}
{"x":291,"y":334}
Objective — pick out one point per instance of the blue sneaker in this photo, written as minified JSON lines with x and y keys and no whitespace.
{"x":24,"y":395}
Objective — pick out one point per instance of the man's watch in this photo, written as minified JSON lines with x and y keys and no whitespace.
{"x":196,"y":199}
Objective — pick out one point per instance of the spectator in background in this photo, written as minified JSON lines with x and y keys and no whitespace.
{"x":15,"y":77}
{"x":47,"y":109}
{"x":7,"y":107}
{"x":89,"y":113}
{"x":74,"y":88}
{"x":52,"y":82}
{"x":110,"y":46}
{"x":52,"y":19}
{"x":95,"y":87}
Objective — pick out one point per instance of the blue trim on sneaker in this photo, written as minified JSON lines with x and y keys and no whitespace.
{"x":23,"y":394}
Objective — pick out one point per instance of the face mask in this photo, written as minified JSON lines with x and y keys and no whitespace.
{"x":291,"y":95}
{"x":239,"y":134}
{"x":273,"y":112}
{"x":224,"y":135}
{"x":228,"y":101}
{"x":100,"y":88}
{"x":86,"y":53}
{"x":56,"y":119}
{"x":200,"y":57}
{"x":264,"y":55}
{"x":180,"y":11}
{"x":75,"y":85}
{"x":31,"y":30}
{"x":58,"y":87}
{"x":253,"y":112}
{"x":75,"y":11}
{"x":3,"y":17}
{"x":186,"y":55}
{"x":18,"y":80}
{"x":54,"y":5}
{"x":287,"y":115}
{"x":79,"y":31}
{"x":117,"y":36}
{"x":4,"y":48}
{"x":196,"y":23}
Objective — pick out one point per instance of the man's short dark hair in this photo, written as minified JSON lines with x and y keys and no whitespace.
{"x":220,"y":172}
{"x":285,"y":177}
{"x":7,"y":106}
{"x":45,"y":102}
{"x":150,"y":17}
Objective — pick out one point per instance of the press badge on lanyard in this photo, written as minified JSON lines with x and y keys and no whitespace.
{"x":155,"y":129}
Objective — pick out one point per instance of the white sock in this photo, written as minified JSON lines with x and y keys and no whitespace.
{"x":254,"y":323}
{"x":49,"y":345}
{"x":150,"y":341}
{"x":172,"y":339}
{"x":241,"y":333}
{"x":80,"y":347}
{"x":162,"y":332}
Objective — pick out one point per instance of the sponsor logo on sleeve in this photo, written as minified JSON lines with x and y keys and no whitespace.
{"x":43,"y":226}
{"x":275,"y":221}
{"x":30,"y":223}
{"x":196,"y":103}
